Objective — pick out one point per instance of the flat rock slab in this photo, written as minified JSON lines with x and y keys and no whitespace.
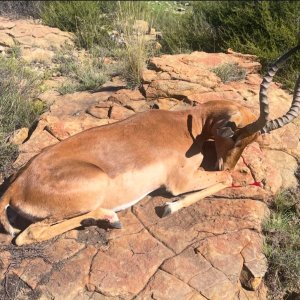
{"x":198,"y":253}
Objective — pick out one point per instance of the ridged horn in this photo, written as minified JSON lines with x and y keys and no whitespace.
{"x":262,"y":121}
{"x":289,"y":116}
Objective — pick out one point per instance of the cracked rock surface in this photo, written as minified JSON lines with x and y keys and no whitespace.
{"x":211,"y":250}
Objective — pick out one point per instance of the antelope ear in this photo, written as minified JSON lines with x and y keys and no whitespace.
{"x":225,"y":132}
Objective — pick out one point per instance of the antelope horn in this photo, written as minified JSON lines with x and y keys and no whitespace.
{"x":261,"y":123}
{"x":289,"y":116}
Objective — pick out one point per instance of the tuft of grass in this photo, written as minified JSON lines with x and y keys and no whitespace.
{"x":15,"y":51}
{"x":18,"y":86}
{"x":230,"y":72}
{"x":282,"y":246}
{"x":68,"y":87}
{"x":133,"y":62}
{"x":133,"y":54}
{"x":85,"y":73}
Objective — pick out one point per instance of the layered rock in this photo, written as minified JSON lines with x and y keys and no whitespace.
{"x":36,"y":42}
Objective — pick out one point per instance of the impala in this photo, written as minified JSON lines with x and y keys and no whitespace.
{"x":98,"y":172}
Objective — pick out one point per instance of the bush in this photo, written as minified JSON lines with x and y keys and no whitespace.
{"x":263,"y":28}
{"x":230,"y":72}
{"x":89,"y":20}
{"x":18,"y":85}
{"x":133,"y":54}
{"x":282,"y":246}
{"x":19,"y":9}
{"x":87,"y":73}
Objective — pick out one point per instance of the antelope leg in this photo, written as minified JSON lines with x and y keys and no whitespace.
{"x":192,"y":198}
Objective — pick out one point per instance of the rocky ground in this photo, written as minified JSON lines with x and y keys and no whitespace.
{"x":211,"y":250}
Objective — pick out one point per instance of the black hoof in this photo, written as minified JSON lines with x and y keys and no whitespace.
{"x":117,"y":225}
{"x":88,"y":222}
{"x":166,"y":211}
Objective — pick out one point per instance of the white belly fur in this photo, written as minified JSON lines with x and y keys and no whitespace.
{"x":129,"y":204}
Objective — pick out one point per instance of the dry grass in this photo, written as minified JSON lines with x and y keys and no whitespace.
{"x":18,"y":87}
{"x":282,"y":246}
{"x":136,"y":49}
{"x":86,"y":73}
{"x":230,"y":72}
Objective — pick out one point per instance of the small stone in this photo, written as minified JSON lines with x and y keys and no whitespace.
{"x":248,"y":281}
{"x":166,"y":103}
{"x":5,"y":257}
{"x":6,"y":24}
{"x":6,"y":40}
{"x":173,"y":89}
{"x":124,"y":96}
{"x":138,"y":105}
{"x":98,"y":111}
{"x":120,"y":113}
{"x":39,"y":142}
{"x":19,"y":136}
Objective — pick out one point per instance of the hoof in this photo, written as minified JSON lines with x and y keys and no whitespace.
{"x":88,"y":222}
{"x":117,"y":225}
{"x":167,"y":210}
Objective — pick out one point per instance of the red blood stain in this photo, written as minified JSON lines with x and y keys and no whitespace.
{"x":255,"y":183}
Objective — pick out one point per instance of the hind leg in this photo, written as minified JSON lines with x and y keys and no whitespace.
{"x":48,"y":229}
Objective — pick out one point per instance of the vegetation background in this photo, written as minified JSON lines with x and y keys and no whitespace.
{"x":263,"y":28}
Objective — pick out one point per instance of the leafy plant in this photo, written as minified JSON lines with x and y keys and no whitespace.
{"x":68,"y":87}
{"x":263,"y":28}
{"x":18,"y":86}
{"x":282,"y":246}
{"x":133,"y":19}
{"x":89,"y":20}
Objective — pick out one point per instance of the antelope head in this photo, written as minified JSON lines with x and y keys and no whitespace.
{"x":242,"y":128}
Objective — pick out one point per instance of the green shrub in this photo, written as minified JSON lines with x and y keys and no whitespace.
{"x":86,"y":73}
{"x":132,"y":56}
{"x":230,"y":72}
{"x":18,"y":85}
{"x":68,"y":87}
{"x":282,"y":246}
{"x":89,"y":20}
{"x":263,"y":28}
{"x":174,"y":29}
{"x":17,"y":9}
{"x":15,"y":51}
{"x":133,"y":62}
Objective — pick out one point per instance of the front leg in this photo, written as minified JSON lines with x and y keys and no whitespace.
{"x":171,"y":207}
{"x":210,"y":182}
